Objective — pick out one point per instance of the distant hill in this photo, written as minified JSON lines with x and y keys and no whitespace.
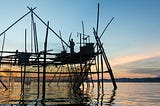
{"x":157,"y":79}
{"x":138,"y":80}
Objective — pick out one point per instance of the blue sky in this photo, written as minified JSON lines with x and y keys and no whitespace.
{"x":131,"y":41}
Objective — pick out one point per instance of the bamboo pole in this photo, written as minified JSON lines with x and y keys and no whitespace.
{"x":44,"y":64}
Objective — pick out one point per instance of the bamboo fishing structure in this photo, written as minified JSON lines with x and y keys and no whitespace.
{"x":78,"y":65}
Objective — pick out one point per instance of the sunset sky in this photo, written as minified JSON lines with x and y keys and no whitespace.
{"x":131,"y":41}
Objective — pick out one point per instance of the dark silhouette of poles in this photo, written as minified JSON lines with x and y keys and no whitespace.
{"x":44,"y":64}
{"x":16,"y":22}
{"x":100,"y":49}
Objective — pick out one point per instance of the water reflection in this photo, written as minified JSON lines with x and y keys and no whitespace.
{"x":62,"y":94}
{"x":104,"y":99}
{"x":112,"y":97}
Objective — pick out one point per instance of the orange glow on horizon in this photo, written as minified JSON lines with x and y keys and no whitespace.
{"x":132,"y":75}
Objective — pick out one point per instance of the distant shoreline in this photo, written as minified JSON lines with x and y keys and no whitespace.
{"x":157,"y":79}
{"x":65,"y":79}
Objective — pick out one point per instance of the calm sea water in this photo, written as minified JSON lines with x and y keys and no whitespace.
{"x":127,"y":94}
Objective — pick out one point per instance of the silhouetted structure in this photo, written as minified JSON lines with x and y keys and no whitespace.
{"x":74,"y":67}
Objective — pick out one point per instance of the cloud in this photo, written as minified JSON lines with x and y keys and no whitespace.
{"x":134,"y":58}
{"x":152,"y":71}
{"x":145,"y":65}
